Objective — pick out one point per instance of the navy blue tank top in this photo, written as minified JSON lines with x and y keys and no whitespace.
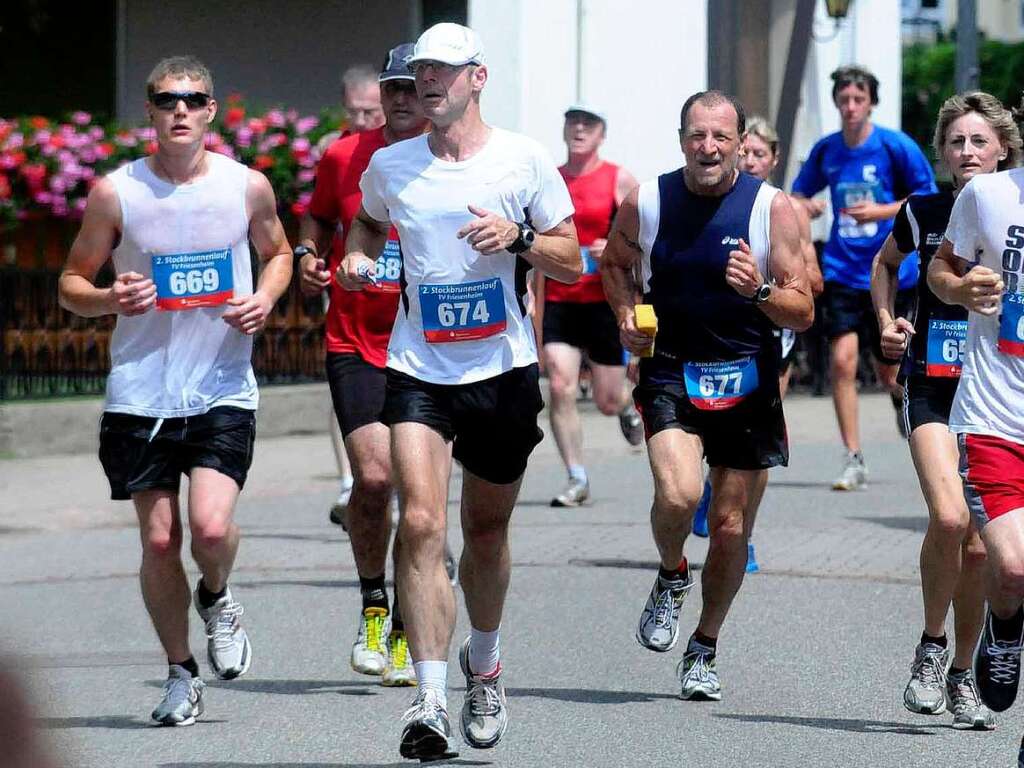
{"x":700,"y":316}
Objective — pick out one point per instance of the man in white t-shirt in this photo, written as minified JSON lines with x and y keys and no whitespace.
{"x":181,"y":394}
{"x":476,"y":208}
{"x":979,"y":266}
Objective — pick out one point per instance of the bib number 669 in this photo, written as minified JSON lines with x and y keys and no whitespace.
{"x":457,"y":313}
{"x":194,"y":281}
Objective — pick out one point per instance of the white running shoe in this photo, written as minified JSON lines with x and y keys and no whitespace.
{"x":925,"y":694}
{"x":698,"y":675}
{"x":485,"y":710}
{"x":340,"y":507}
{"x":227,"y":644}
{"x":182,"y":701}
{"x":369,"y":651}
{"x":427,"y":730}
{"x":400,"y":670}
{"x":854,"y":476}
{"x":659,"y":622}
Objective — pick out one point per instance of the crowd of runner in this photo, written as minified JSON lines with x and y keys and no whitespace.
{"x":457,"y":260}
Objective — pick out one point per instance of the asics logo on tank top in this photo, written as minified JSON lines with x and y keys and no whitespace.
{"x":730,"y":240}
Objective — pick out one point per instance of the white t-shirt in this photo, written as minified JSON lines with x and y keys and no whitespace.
{"x":461,"y":318}
{"x":986,"y":228}
{"x":192,"y":240}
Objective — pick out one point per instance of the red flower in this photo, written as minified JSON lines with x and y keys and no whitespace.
{"x":38,"y":122}
{"x":257,"y":126}
{"x":262,"y":162}
{"x":5,"y":187}
{"x":298,"y":210}
{"x":57,"y":141}
{"x":104,"y":150}
{"x":34,"y":174}
{"x":234,"y":116}
{"x":151,"y":147}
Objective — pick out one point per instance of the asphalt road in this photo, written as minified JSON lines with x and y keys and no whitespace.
{"x":813,"y":659}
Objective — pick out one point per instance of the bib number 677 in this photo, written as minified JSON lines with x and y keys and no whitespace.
{"x":457,"y":313}
{"x":720,"y":383}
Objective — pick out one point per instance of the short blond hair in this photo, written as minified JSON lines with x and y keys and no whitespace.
{"x":992,"y":111}
{"x":179,"y":66}
{"x":765,"y":131}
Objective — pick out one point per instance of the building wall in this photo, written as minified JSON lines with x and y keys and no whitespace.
{"x":638,"y":62}
{"x":272,"y":52}
{"x":997,"y":19}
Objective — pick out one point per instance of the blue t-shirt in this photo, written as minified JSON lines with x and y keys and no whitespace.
{"x":887,"y":167}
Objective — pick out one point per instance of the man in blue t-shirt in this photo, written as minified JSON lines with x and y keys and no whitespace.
{"x":869,"y":171}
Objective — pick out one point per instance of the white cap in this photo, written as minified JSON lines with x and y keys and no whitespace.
{"x":587,"y":109}
{"x":449,"y":43}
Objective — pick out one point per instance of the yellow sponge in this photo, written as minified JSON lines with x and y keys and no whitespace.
{"x":646,"y":322}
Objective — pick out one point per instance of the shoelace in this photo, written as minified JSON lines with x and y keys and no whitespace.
{"x":373,"y":625}
{"x":223,"y":623}
{"x":664,"y":608}
{"x":701,"y":668}
{"x":1004,"y":661}
{"x":483,"y":696}
{"x":929,"y":669}
{"x":399,"y":649}
{"x":177,"y":690}
{"x":965,"y":694}
{"x":427,"y":704}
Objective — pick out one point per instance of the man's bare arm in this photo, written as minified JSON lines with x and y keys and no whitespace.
{"x":814,"y":277}
{"x":363,"y":246}
{"x":316,"y":234}
{"x":790,"y":304}
{"x":621,"y":256}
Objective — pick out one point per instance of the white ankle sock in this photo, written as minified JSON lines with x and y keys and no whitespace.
{"x":578,"y":472}
{"x":433,"y":675}
{"x":483,"y":651}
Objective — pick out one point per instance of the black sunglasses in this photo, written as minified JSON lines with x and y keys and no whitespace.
{"x":168,"y":100}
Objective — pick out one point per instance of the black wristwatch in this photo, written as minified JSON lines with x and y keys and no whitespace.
{"x":524,"y":241}
{"x":302,"y":250}
{"x":761,"y":294}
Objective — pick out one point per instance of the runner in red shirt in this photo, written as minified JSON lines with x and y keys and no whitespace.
{"x":358,"y":329}
{"x":577,"y":318}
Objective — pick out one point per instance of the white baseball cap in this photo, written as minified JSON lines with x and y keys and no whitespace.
{"x":449,"y":43}
{"x":588,"y":109}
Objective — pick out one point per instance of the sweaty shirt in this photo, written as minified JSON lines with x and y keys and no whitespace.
{"x":358,"y":322}
{"x":887,"y":167}
{"x":462,"y":318}
{"x":986,"y":228}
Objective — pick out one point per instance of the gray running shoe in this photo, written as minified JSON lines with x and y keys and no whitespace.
{"x":632,"y":425}
{"x":485,"y":711}
{"x":426,"y":732}
{"x":854,"y":476}
{"x":577,"y":492}
{"x":698,"y":675}
{"x":227,"y":645}
{"x":659,"y":623}
{"x":369,"y":651}
{"x":926,"y":692}
{"x":182,"y":701}
{"x":965,"y":704}
{"x":340,"y":507}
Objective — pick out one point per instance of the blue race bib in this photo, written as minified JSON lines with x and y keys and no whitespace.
{"x":190,"y":280}
{"x":1011,"y":325}
{"x":388,"y":269}
{"x":945,"y":355}
{"x":590,"y":264}
{"x":718,"y":386}
{"x":462,"y":312}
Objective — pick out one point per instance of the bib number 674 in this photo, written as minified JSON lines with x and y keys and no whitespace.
{"x":457,"y":313}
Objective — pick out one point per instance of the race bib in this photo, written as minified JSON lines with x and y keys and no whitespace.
{"x":462,"y":312}
{"x":1011,"y":325}
{"x":852,"y":193}
{"x":590,"y":264}
{"x":190,"y":280}
{"x":945,"y":355}
{"x":388,"y":270}
{"x":718,"y":386}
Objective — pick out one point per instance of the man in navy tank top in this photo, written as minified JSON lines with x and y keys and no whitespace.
{"x":717,"y":253}
{"x":181,"y":395}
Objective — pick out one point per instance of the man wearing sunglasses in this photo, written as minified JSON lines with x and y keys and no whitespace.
{"x":476,"y":207}
{"x":358,"y":329}
{"x":181,"y":395}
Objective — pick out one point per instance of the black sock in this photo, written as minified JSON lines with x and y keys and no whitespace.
{"x":676,"y":574}
{"x":189,"y":664}
{"x":953,"y":671}
{"x":709,"y":642}
{"x":1008,"y":629}
{"x":208,"y":598}
{"x":374,"y":592}
{"x":939,"y":641}
{"x":397,"y":625}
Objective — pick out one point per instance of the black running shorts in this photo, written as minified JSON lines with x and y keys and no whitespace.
{"x":357,"y":389}
{"x":928,"y":400}
{"x":589,"y":326}
{"x":492,"y":423}
{"x":849,"y":310}
{"x":142,"y":453}
{"x":751,"y":435}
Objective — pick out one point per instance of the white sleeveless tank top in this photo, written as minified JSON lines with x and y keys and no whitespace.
{"x":181,"y":358}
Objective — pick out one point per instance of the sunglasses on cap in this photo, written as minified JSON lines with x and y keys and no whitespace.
{"x":168,"y":100}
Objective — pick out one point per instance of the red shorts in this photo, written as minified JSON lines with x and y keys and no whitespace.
{"x":993,"y":473}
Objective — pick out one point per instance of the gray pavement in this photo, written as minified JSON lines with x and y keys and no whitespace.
{"x":813,"y":659}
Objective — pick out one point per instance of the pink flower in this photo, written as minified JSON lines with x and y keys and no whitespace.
{"x":65,"y":156}
{"x":244,"y":137}
{"x":146,"y":134}
{"x":42,"y":137}
{"x":48,"y":150}
{"x":79,"y":205}
{"x":81,"y":118}
{"x":88,"y":155}
{"x":15,"y":141}
{"x":96,"y":133}
{"x":42,"y":197}
{"x":58,"y":184}
{"x":305,"y":176}
{"x":125,"y":139}
{"x":88,"y":174}
{"x":300,"y":145}
{"x":275,"y":118}
{"x":306,"y":124}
